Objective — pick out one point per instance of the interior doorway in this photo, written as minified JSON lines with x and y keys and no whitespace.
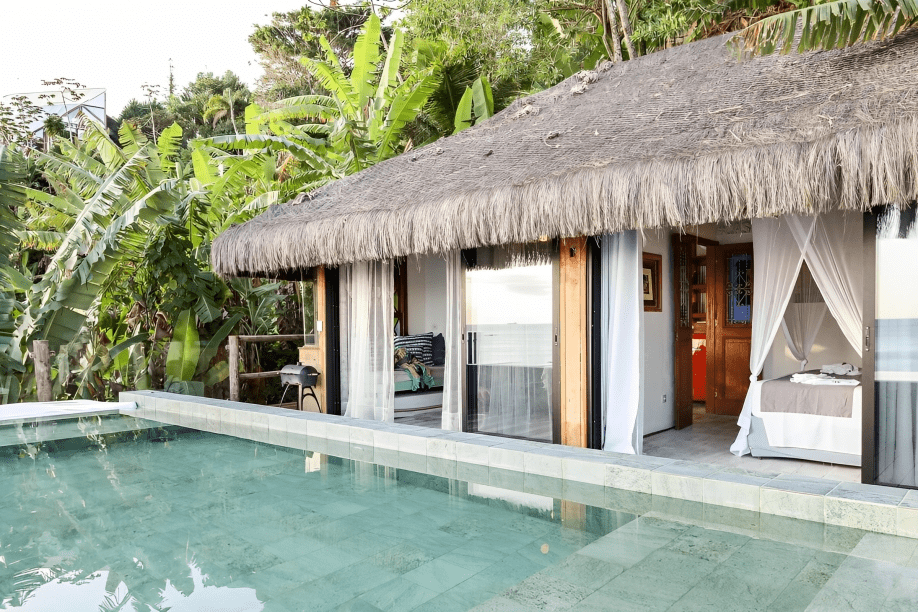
{"x":712,"y":302}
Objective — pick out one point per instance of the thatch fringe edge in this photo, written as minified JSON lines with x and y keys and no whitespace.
{"x":852,"y":170}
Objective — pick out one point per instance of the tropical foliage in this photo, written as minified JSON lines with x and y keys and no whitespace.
{"x":104,"y":237}
{"x":829,"y":25}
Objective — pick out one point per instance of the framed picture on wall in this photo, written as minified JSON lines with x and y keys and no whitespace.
{"x":651,"y":270}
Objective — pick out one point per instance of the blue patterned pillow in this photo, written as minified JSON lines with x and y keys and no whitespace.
{"x":420,"y":345}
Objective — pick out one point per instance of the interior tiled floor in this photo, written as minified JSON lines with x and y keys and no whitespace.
{"x":430,"y":417}
{"x":708,"y":440}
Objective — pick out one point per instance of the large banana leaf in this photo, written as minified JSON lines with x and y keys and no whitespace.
{"x":476,"y":104}
{"x":406,"y":106}
{"x":213,"y":345}
{"x":169,"y":143}
{"x":184,"y":350}
{"x":333,"y":79}
{"x":298,"y":107}
{"x":388,"y":80}
{"x":263,"y":142}
{"x":831,"y":25}
{"x":366,"y":60}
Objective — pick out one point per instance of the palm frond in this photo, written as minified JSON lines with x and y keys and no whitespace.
{"x":832,"y":25}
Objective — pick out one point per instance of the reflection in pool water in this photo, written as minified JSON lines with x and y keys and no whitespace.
{"x":103,"y":590}
{"x":194,"y":522}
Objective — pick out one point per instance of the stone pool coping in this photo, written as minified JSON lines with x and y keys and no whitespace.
{"x":39,"y":412}
{"x":451,"y":454}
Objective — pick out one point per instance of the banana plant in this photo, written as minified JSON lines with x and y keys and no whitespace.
{"x":105,"y":202}
{"x":476,"y":104}
{"x":828,"y":25}
{"x":361,"y":121}
{"x":189,"y":367}
{"x":13,"y":170}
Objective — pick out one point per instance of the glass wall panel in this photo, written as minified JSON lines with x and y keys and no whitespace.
{"x":509,"y":343}
{"x":896,"y":346}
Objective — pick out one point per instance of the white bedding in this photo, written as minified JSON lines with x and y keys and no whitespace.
{"x":812,"y":431}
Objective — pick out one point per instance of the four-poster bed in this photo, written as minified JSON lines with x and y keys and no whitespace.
{"x":780,"y":417}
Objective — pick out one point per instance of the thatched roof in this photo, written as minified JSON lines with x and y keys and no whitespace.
{"x":681,"y":137}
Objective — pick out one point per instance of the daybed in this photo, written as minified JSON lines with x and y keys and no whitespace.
{"x":810,"y":422}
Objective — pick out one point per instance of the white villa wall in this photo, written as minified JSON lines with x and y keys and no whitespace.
{"x":426,"y":294}
{"x":659,"y":338}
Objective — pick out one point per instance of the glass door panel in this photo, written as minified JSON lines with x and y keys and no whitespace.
{"x":510,"y":342}
{"x":896,"y":347}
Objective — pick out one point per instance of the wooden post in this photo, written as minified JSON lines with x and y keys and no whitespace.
{"x":42,"y":356}
{"x":314,"y":355}
{"x":573,"y":349}
{"x":233,"y":350}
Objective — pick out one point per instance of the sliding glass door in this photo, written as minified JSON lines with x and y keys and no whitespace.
{"x":893,"y":309}
{"x":511,"y":341}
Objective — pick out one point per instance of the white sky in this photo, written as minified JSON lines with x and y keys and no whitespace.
{"x":513,"y":295}
{"x":121,"y":45}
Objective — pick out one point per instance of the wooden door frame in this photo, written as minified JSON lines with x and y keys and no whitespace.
{"x":401,"y":294}
{"x":682,"y":380}
{"x":717,"y":291}
{"x":695,"y":241}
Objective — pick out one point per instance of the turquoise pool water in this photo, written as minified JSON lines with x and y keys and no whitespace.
{"x":109,"y":517}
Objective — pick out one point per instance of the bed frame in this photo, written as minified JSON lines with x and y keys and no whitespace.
{"x":759,"y":447}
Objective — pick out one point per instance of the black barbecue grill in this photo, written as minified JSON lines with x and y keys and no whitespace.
{"x":305,"y":378}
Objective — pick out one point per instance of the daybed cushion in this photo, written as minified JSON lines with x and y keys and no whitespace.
{"x":439,"y":350}
{"x":419,"y":345}
{"x":403,"y":380}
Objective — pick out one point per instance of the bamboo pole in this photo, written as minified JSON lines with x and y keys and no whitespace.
{"x":233,"y":350}
{"x":42,"y":356}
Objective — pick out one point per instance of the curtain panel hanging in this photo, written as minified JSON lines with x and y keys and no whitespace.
{"x":622,"y":341}
{"x":803,"y":317}
{"x":370,"y":340}
{"x":834,"y":256}
{"x":777,"y":259}
{"x":451,"y":418}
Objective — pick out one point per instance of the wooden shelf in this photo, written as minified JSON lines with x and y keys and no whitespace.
{"x":699,"y":316}
{"x":701,"y":287}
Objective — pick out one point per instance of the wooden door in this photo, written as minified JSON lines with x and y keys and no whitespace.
{"x":683,"y":252}
{"x":729,"y":338}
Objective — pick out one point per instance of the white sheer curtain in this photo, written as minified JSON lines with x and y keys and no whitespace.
{"x":803,"y":317}
{"x":834,"y":256}
{"x":344,"y":334}
{"x":622,"y":343}
{"x":452,"y":375}
{"x":370,"y":367}
{"x":777,"y":259}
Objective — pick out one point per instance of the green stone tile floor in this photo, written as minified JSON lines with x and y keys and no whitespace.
{"x":186,"y":521}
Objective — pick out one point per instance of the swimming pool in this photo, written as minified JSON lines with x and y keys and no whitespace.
{"x":118,"y":514}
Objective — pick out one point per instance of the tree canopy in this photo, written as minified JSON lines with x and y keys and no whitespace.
{"x":105,"y":237}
